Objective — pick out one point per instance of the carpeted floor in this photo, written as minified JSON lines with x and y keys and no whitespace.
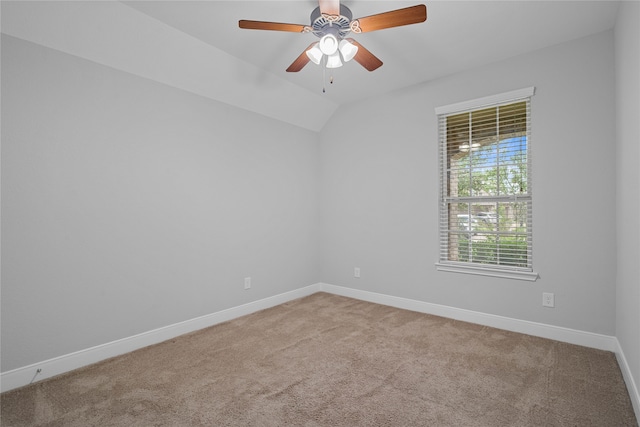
{"x":326,"y":360}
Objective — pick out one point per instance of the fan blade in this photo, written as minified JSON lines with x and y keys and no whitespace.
{"x":394,"y":18}
{"x":300,"y":61}
{"x":365,"y":58}
{"x":273,"y":26}
{"x":329,"y":7}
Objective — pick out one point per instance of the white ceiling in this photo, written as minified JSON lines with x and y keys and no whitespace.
{"x":197,"y":45}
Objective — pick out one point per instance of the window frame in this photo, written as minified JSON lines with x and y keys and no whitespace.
{"x":476,"y":268}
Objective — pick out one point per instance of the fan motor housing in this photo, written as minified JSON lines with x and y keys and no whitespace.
{"x":339,"y":25}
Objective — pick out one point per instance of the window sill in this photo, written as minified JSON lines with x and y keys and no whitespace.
{"x":530,"y":276}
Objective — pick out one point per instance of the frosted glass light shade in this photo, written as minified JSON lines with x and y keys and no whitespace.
{"x":333,"y":61}
{"x":348,"y":50}
{"x":328,"y":44}
{"x":315,"y":54}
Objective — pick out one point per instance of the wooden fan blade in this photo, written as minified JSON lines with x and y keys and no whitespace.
{"x":330,"y":7}
{"x":394,"y":18}
{"x":272,"y":26}
{"x":365,"y":58}
{"x":300,"y":61}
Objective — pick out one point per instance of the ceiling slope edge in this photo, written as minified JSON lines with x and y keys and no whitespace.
{"x":113,"y":34}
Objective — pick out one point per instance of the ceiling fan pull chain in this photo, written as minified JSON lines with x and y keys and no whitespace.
{"x":324,"y":67}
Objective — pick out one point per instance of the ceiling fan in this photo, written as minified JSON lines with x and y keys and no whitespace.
{"x":332,"y":22}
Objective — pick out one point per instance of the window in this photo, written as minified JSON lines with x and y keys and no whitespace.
{"x":485,"y":186}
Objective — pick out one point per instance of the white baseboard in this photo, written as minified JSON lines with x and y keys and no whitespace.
{"x":632,"y":387}
{"x":46,"y":369}
{"x":572,"y":336}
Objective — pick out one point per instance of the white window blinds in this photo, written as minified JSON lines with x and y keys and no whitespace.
{"x":485,"y":210}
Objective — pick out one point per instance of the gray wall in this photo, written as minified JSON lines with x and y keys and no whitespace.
{"x":128,"y":205}
{"x":380,"y":190}
{"x":627,"y":36}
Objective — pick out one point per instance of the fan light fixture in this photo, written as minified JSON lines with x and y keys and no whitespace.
{"x":348,"y":50}
{"x":329,"y":45}
{"x":315,"y":54}
{"x":333,"y":61}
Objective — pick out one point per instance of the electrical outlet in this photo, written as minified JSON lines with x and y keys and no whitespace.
{"x":356,"y":272}
{"x":548,"y":299}
{"x":247,"y":282}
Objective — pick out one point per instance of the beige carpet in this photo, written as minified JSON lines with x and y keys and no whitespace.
{"x":326,"y":360}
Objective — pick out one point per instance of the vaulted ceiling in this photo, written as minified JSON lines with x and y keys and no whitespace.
{"x":197,"y":45}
